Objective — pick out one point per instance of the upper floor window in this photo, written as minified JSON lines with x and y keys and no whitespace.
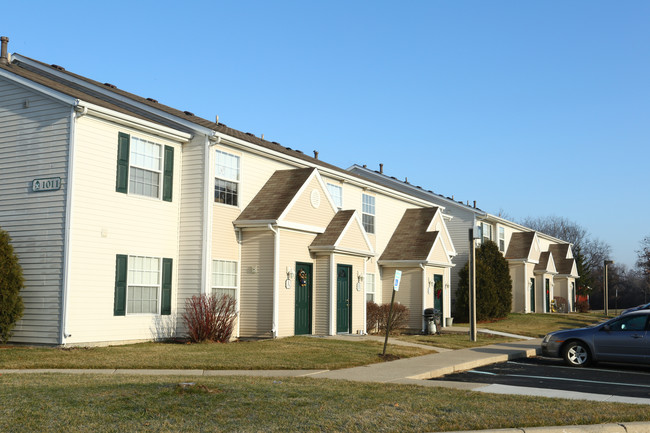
{"x":224,"y":278}
{"x":502,"y":239}
{"x":368,"y":213}
{"x":144,"y":168}
{"x":226,"y":183}
{"x":486,"y":232}
{"x":336,"y":192}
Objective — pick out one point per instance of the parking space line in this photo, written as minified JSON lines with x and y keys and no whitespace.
{"x":577,"y":380}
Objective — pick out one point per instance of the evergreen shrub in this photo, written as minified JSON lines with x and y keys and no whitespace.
{"x":493,"y":286}
{"x":11,"y":283}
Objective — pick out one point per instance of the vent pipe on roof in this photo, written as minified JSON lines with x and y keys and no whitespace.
{"x":365,"y":166}
{"x":217,"y":120}
{"x":315,"y":154}
{"x":381,"y":168}
{"x":4,"y":57}
{"x":474,"y":204}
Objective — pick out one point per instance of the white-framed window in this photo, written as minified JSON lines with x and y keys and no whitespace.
{"x":486,"y":232}
{"x":370,"y":287}
{"x":145,"y":167}
{"x":226,"y":181}
{"x":336,"y":192}
{"x":224,"y":278}
{"x":368,"y":213}
{"x":143,"y":285}
{"x":502,"y":239}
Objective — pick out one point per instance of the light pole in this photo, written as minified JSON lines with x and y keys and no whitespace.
{"x":473,"y":235}
{"x":606,"y":294}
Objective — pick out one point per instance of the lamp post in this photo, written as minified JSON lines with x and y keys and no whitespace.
{"x":473,"y":235}
{"x":605,"y":288}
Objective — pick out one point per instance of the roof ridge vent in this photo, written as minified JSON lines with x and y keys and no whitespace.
{"x":57,"y":67}
{"x":188,"y":113}
{"x":112,"y":86}
{"x":152,"y":100}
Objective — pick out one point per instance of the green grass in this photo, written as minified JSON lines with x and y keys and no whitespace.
{"x":538,"y":325}
{"x":455,"y":340}
{"x":282,"y":354}
{"x":83,"y":403}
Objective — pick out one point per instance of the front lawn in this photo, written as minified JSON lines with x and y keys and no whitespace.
{"x":454,"y":340}
{"x":98,"y":403}
{"x":280,"y":354}
{"x":538,"y":325}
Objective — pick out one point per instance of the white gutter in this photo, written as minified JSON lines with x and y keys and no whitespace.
{"x":332,"y":296}
{"x":276,"y":275}
{"x":145,"y":125}
{"x":424,"y":294}
{"x":38,"y":87}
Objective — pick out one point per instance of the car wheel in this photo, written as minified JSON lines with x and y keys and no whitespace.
{"x":576,"y":354}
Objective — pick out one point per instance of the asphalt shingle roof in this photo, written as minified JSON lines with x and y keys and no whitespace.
{"x":411,"y":241}
{"x":520,"y":244}
{"x":334,"y":229}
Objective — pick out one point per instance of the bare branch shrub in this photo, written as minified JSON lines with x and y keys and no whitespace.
{"x":210,"y":318}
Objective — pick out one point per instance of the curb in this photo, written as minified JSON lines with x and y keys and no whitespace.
{"x":631,"y":427}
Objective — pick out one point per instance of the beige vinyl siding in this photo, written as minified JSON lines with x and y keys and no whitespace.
{"x":107,"y":223}
{"x":34,"y":144}
{"x":321,"y":296}
{"x":358,"y":296}
{"x":458,"y":228}
{"x":409,"y":293}
{"x":353,"y":238}
{"x":519,"y":287}
{"x":190,"y":238}
{"x":256,"y":291}
{"x":439,"y":255}
{"x":294,"y":247}
{"x":255,"y":172}
{"x":302,"y":211}
{"x":224,"y":236}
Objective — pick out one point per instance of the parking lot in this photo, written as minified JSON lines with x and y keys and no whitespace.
{"x":551,"y":374}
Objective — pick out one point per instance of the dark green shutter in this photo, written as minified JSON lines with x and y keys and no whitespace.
{"x":122,"y":182}
{"x":119,"y":304}
{"x":166,"y":298}
{"x":168,"y":174}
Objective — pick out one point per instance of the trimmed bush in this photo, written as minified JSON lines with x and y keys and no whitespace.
{"x":210,"y":318}
{"x":582,"y":307}
{"x":493,"y":285}
{"x":11,"y":283}
{"x":561,"y":304}
{"x":377,"y":317}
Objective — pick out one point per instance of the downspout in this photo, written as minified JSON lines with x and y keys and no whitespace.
{"x":210,"y":142}
{"x":332,"y":296}
{"x":76,"y":113}
{"x":365,"y":296}
{"x":424,"y":294}
{"x":276,"y":275}
{"x":239,"y":242}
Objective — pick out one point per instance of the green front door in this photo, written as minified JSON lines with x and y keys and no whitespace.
{"x":548,"y":295}
{"x":437,"y":293}
{"x":303,"y":298}
{"x":532,"y":295}
{"x":343,"y":298}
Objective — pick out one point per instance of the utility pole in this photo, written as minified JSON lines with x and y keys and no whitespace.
{"x":472,"y":286}
{"x":605,"y":288}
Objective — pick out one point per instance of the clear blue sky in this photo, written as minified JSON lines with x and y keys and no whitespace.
{"x":533,"y":108}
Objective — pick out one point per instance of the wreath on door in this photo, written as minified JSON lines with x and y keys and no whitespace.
{"x":302,"y":278}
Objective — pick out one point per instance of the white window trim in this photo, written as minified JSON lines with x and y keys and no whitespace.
{"x":501,"y":231}
{"x":235,"y":287}
{"x":373,"y":287}
{"x":129,"y":285}
{"x":236,"y":181}
{"x":339,"y":188}
{"x":374,"y":208}
{"x":161,"y":158}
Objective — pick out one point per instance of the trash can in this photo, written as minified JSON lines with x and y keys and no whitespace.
{"x":430,"y":321}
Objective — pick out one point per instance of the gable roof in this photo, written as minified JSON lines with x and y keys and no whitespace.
{"x":272,"y":200}
{"x":340,"y":225}
{"x":520,"y":245}
{"x":546,"y":263}
{"x":334,"y":229}
{"x":411,"y":240}
{"x":564,"y":262}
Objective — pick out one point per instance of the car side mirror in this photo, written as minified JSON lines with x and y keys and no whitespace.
{"x":607,"y":328}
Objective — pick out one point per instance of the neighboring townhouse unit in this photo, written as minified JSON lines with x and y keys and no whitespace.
{"x":532,"y":256}
{"x":122,"y":208}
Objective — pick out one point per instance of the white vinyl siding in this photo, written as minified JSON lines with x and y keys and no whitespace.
{"x":368,"y":213}
{"x":336,"y":192}
{"x":145,"y":168}
{"x":224,"y":278}
{"x":226,"y":186}
{"x":143,"y":289}
{"x":370,"y":287}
